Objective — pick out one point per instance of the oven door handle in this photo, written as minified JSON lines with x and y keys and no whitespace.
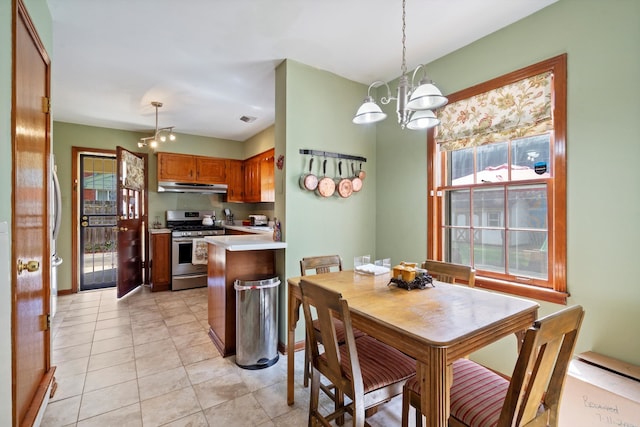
{"x":183,"y":240}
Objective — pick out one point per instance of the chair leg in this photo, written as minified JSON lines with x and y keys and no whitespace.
{"x":405,"y":408}
{"x":418,"y":418}
{"x":358,"y":412}
{"x":307,"y":362}
{"x":314,"y":397}
{"x":339,"y":403}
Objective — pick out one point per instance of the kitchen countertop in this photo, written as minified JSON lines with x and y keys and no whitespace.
{"x":246,"y":242}
{"x":251,"y":229}
{"x":159,"y":231}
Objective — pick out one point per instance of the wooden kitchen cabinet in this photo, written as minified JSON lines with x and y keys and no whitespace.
{"x":189,"y":168}
{"x":235,"y":180}
{"x":267,"y":177}
{"x":176,"y":167}
{"x":259,"y":177}
{"x":160,"y":257}
{"x":210,"y":170}
{"x":224,"y":267}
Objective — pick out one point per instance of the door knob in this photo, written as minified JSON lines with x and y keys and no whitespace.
{"x":123,"y":228}
{"x":30,"y":266}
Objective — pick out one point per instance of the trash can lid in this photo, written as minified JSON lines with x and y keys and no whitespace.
{"x":257,"y":280}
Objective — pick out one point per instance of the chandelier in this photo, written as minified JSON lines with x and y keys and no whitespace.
{"x":415,"y":103}
{"x":160,"y":135}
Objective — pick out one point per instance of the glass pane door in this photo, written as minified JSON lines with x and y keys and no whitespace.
{"x":98,"y":233}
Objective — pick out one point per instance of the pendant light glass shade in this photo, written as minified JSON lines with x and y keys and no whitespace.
{"x":414,"y":103}
{"x":426,"y":97}
{"x":369,"y":112}
{"x":423,"y":119}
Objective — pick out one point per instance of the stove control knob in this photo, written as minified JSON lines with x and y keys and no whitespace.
{"x":199,"y":233}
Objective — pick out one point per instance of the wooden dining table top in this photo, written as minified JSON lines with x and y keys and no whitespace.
{"x":435,"y":325}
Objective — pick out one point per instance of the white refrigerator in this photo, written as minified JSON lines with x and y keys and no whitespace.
{"x":56,"y":219}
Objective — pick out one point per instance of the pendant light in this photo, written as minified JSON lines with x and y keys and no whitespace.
{"x":414,"y":103}
{"x":160,"y":135}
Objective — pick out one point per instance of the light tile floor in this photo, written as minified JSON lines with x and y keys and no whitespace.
{"x":147,"y":361}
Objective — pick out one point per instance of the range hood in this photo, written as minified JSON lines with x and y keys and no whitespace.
{"x":187,"y":187}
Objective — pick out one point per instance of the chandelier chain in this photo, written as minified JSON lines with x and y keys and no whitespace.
{"x":404,"y":39}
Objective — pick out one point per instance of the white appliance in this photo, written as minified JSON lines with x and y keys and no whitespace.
{"x":258,"y":219}
{"x":56,"y":218}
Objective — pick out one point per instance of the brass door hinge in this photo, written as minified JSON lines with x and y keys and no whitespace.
{"x":46,"y":105}
{"x":45,"y":322}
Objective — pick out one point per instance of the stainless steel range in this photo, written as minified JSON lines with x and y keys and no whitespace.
{"x":185,"y":227}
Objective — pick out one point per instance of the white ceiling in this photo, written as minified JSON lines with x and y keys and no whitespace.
{"x":212,"y":61}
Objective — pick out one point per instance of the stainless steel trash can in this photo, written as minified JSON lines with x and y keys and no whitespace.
{"x":256,"y":321}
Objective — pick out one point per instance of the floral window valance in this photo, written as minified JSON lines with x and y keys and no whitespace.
{"x":516,"y":110}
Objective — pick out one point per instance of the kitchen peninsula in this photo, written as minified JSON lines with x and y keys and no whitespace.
{"x":230,"y":257}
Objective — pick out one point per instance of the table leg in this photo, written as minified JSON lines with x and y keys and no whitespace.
{"x":293,"y":316}
{"x":436,"y":381}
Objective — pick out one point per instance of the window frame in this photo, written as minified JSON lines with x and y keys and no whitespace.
{"x":557,"y":204}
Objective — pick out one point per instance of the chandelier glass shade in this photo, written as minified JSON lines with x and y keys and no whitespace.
{"x":414,"y":102}
{"x":160,"y":134}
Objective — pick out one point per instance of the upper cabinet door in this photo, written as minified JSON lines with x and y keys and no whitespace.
{"x":235,"y":180}
{"x":267,"y":179}
{"x":210,"y":170}
{"x":176,"y":167}
{"x":259,"y":178}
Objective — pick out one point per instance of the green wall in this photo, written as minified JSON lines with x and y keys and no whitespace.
{"x":601,"y":40}
{"x":67,"y":135}
{"x":314,"y":109}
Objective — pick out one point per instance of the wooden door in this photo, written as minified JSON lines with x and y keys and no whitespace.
{"x":210,"y":170}
{"x":132,"y":184}
{"x":31,"y":256}
{"x":235,"y":181}
{"x":176,"y":167}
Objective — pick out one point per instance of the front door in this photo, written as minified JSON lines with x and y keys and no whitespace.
{"x":132,"y":219}
{"x":31,"y":257}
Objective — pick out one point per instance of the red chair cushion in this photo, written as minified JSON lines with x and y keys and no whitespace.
{"x":477,"y":393}
{"x":380,"y":364}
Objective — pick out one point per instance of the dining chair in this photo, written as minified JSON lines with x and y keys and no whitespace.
{"x":320,"y":265}
{"x":367,"y":371}
{"x":450,"y":273}
{"x":481,"y":397}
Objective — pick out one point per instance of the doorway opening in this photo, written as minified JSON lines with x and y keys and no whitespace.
{"x":98,"y":260}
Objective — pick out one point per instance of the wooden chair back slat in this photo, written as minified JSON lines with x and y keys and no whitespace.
{"x":450,"y":273}
{"x":541,"y":369}
{"x":321,"y":264}
{"x":329,"y":304}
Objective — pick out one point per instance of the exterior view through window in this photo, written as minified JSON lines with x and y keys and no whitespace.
{"x":497,"y":182}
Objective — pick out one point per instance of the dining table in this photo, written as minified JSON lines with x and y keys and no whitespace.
{"x":435,"y":325}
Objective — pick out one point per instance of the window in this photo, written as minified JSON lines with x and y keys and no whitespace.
{"x":496,"y":168}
